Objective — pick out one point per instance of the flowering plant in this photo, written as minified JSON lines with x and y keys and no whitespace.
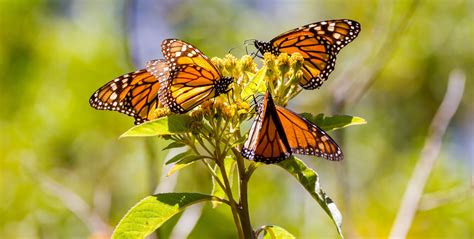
{"x":213,"y":136}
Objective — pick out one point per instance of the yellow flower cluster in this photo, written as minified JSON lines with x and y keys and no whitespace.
{"x":280,"y":74}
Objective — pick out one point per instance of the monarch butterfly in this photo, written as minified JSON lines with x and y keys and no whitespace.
{"x":318,"y":43}
{"x":134,"y":94}
{"x":277,"y":132}
{"x":192,"y":78}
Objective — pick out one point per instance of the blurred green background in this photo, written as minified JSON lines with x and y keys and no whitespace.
{"x":65,"y":174}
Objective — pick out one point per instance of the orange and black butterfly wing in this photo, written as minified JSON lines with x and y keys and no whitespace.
{"x":193,"y":78}
{"x":144,"y":95}
{"x":318,"y":43}
{"x":307,"y":138}
{"x":134,"y":94}
{"x":338,"y":33}
{"x":266,"y":142}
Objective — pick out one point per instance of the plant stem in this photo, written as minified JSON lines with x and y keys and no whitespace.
{"x":233,"y":205}
{"x":219,"y":158}
{"x":243,"y":201}
{"x":244,"y":209}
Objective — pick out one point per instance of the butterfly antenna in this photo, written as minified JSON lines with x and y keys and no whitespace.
{"x":249,"y":40}
{"x":233,"y":48}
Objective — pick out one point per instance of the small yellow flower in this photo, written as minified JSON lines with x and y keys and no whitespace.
{"x":218,"y":104}
{"x":160,"y":112}
{"x":196,"y":126}
{"x":246,"y":63}
{"x":243,"y":105}
{"x":218,"y":62}
{"x":269,"y":60}
{"x":243,"y":109}
{"x":283,"y":62}
{"x":272,"y":70}
{"x":198,"y":114}
{"x":230,"y":64}
{"x":228,"y":111}
{"x":297,"y":61}
{"x":206,"y":107}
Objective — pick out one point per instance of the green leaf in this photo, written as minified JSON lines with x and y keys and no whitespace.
{"x":174,"y":145}
{"x":309,"y":179}
{"x":328,"y":123}
{"x":229,"y":164}
{"x":167,"y":125}
{"x":276,"y":232}
{"x":178,"y":157}
{"x":256,"y":84}
{"x":184,"y":162}
{"x":151,"y":212}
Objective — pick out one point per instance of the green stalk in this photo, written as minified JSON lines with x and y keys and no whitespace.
{"x":244,"y":177}
{"x":243,"y":201}
{"x":227,"y":188}
{"x":233,"y":205}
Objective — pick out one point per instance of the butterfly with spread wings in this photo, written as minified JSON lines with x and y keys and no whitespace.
{"x":134,"y":94}
{"x":192,"y":78}
{"x":277,"y":133}
{"x":318,"y":43}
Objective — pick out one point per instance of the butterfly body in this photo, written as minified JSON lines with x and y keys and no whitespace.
{"x":318,"y":43}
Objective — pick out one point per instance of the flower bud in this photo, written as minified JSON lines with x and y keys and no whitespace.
{"x":230,"y":64}
{"x":197,"y":115}
{"x":218,"y":63}
{"x":283,"y":62}
{"x":228,"y":111}
{"x":297,"y":61}
{"x":160,"y":112}
{"x":246,"y":63}
{"x":272,"y":70}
